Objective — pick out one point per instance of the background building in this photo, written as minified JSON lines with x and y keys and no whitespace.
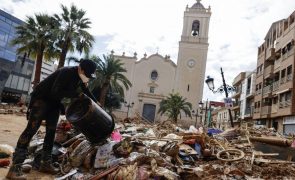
{"x":274,"y":101}
{"x":154,"y":77}
{"x":8,"y":56}
{"x":16,"y":72}
{"x":243,"y":106}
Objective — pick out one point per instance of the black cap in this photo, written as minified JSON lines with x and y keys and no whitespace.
{"x":89,"y":68}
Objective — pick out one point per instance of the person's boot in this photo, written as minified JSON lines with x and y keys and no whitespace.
{"x":15,"y":173}
{"x":48,"y":167}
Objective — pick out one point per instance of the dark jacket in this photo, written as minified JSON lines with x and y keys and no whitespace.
{"x":63,"y":83}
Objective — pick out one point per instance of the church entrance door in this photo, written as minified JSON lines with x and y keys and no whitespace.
{"x":149,"y":111}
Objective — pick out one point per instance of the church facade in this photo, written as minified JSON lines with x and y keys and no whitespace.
{"x":154,"y":77}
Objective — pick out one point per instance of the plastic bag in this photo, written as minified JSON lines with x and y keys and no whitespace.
{"x":104,"y":155}
{"x":116,"y":136}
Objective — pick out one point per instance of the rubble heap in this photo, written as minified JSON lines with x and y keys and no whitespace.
{"x":138,"y":150}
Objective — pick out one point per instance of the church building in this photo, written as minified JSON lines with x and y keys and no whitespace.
{"x":154,"y":77}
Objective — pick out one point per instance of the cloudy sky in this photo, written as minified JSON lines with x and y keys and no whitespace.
{"x":237,"y":28}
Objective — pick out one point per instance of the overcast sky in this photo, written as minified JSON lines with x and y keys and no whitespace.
{"x":237,"y":28}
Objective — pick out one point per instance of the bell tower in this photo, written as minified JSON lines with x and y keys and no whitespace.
{"x":192,"y":54}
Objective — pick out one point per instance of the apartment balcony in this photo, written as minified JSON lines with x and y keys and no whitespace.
{"x":283,"y":80}
{"x":287,"y":54}
{"x":268,"y":71}
{"x":239,"y":78}
{"x":270,"y":54}
{"x":288,"y":103}
{"x":275,"y":86}
{"x":249,"y":112}
{"x":277,"y":63}
{"x":284,"y":104}
{"x":267,"y":90}
{"x":265,"y":110}
{"x":274,"y":108}
{"x":256,"y":113}
{"x":236,"y":94}
{"x":249,"y":93}
{"x":289,"y":77}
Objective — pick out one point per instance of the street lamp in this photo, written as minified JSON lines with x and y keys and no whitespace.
{"x":128,"y":105}
{"x":196,"y":114}
{"x":223,"y":88}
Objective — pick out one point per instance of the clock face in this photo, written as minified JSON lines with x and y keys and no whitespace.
{"x":191,"y":63}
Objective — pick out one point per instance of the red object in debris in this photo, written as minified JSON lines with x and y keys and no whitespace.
{"x":4,"y":162}
{"x":189,"y":141}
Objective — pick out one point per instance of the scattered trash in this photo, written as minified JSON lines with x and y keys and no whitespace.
{"x":4,"y":162}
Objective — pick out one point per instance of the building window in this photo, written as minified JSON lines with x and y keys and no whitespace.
{"x":288,"y":96}
{"x":154,"y":75}
{"x":188,"y":88}
{"x":196,"y":28}
{"x":152,"y":89}
{"x":289,"y":73}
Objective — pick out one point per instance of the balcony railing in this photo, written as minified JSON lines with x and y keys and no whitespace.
{"x":277,"y":63}
{"x":265,"y":110}
{"x":274,"y":108}
{"x":283,"y":80}
{"x":284,"y":104}
{"x":268,"y":70}
{"x":257,"y":110}
{"x":287,"y":103}
{"x":275,"y":85}
{"x":270,"y":54}
{"x":289,"y":77}
{"x":267,"y":89}
{"x":287,"y":54}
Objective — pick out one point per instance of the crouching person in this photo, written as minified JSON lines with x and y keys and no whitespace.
{"x":67,"y":82}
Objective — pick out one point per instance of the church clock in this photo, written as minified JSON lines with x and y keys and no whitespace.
{"x":191,"y":63}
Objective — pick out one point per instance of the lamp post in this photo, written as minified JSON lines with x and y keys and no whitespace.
{"x":196,"y":114}
{"x":201,"y":106}
{"x":128,"y":105}
{"x":223,"y":88}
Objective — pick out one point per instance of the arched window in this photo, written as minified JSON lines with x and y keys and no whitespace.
{"x":196,"y":28}
{"x":154,"y":75}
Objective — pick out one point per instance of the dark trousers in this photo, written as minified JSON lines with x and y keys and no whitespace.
{"x":41,"y":109}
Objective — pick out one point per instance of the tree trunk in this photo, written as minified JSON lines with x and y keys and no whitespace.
{"x":103,"y":93}
{"x":38,"y":67}
{"x":62,"y":57}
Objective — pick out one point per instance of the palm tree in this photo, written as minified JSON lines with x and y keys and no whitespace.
{"x":72,"y":32}
{"x":173,"y":105}
{"x":109,"y":74}
{"x":34,"y":37}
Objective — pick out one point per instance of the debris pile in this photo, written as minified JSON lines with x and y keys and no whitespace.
{"x":138,"y":150}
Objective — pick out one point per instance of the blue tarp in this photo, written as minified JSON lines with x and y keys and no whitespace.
{"x":214,"y":131}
